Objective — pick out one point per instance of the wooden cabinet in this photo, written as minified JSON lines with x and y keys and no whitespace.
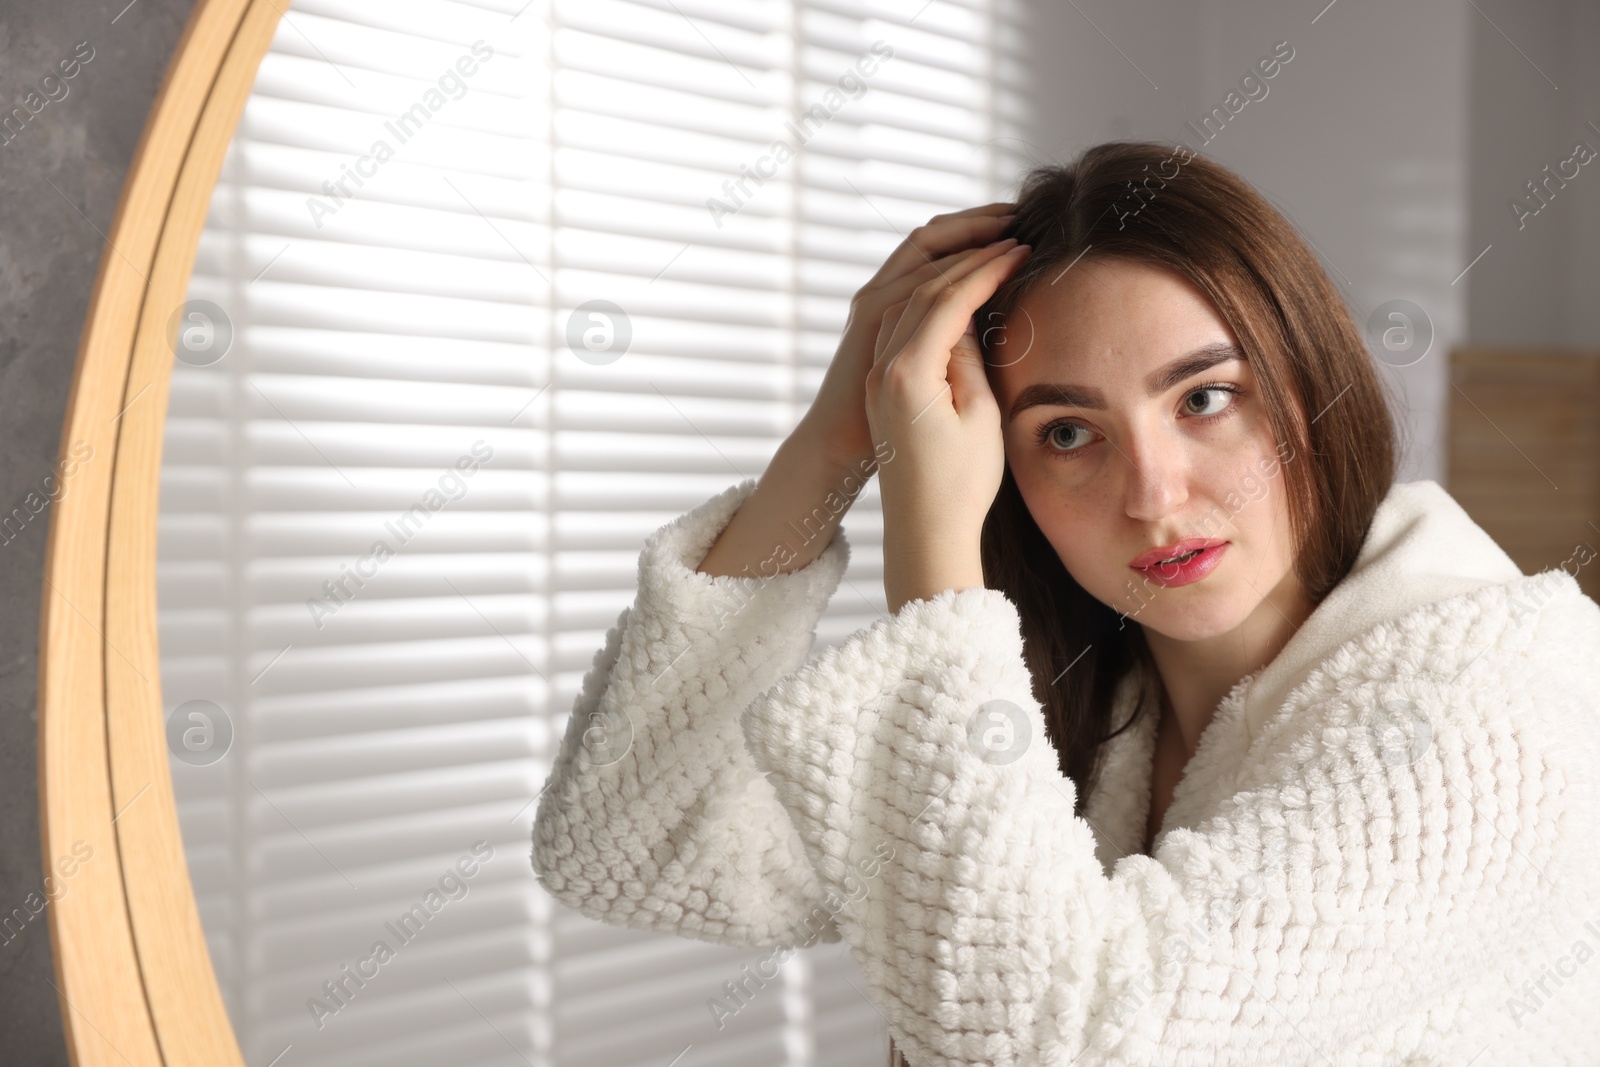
{"x":1524,"y":454}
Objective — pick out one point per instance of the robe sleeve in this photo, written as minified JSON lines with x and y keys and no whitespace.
{"x":1336,"y":895}
{"x":653,"y":815}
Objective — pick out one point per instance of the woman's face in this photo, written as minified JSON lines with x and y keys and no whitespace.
{"x":1132,"y":421}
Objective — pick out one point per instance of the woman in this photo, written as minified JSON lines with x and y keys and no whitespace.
{"x":1192,"y":736}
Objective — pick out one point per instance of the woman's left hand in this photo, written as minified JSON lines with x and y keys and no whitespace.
{"x":928,"y":398}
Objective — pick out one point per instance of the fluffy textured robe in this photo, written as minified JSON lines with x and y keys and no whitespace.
{"x":1385,"y":850}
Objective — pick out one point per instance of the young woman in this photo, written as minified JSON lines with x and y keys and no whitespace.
{"x":1191,"y":737}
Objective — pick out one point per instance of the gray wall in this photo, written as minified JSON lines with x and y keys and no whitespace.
{"x":49,"y":253}
{"x":1535,"y":95}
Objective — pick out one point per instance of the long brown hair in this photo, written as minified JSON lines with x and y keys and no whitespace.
{"x":1168,"y":207}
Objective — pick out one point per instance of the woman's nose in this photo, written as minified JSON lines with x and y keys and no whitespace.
{"x":1157,"y":475}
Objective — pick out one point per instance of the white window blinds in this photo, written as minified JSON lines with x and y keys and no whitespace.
{"x":400,"y":508}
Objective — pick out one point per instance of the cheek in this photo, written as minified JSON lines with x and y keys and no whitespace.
{"x":1074,"y":529}
{"x":1253,"y":493}
{"x":1241,"y":473}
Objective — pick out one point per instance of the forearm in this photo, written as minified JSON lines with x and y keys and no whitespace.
{"x":915,"y":568}
{"x":791,"y":515}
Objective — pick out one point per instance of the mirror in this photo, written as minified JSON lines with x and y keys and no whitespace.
{"x":486,"y":293}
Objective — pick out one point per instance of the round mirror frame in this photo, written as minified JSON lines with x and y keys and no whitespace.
{"x":133,"y":975}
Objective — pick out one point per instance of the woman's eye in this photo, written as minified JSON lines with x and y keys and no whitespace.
{"x":1064,"y":436}
{"x":1222,"y":397}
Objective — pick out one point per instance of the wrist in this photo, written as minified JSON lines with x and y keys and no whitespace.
{"x":822,"y":443}
{"x":898,"y":598}
{"x":808,"y":467}
{"x":922,"y":571}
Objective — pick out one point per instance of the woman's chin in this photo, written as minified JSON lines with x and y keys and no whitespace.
{"x":1196,"y":618}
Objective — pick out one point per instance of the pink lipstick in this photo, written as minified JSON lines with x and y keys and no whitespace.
{"x":1184,"y":563}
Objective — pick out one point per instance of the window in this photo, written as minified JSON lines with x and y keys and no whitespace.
{"x":409,"y":467}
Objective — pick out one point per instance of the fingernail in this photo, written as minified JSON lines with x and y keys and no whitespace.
{"x":1007,"y":218}
{"x":1020,"y":248}
{"x":1003,"y":241}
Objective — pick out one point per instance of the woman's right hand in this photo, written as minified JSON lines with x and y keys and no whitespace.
{"x":837,"y":420}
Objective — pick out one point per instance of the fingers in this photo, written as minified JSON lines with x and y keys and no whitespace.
{"x":947,"y":267}
{"x":996,"y":209}
{"x":999,"y":207}
{"x":966,"y":284}
{"x":934,"y":276}
{"x":886,"y":329}
{"x":944,"y":234}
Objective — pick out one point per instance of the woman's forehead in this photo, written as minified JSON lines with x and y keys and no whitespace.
{"x":1112,"y":322}
{"x":1116,"y":296}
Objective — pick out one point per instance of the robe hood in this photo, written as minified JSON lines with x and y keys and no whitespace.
{"x":1420,"y":548}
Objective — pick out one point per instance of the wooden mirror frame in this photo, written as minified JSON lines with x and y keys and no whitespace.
{"x":133,"y":975}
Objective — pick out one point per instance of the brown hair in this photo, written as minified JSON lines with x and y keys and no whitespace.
{"x":1171,"y":208}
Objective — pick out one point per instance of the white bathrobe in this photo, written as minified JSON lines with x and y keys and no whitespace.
{"x":1385,"y":850}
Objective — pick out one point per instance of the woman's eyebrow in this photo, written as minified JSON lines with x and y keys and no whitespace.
{"x":1157,"y":382}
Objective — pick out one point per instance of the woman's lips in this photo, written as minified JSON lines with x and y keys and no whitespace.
{"x":1188,"y":571}
{"x":1181,"y":546}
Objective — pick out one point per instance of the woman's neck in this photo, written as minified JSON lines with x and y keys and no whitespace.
{"x":1196,"y":675}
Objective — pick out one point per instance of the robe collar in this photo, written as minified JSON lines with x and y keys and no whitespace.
{"x":1420,"y":548}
